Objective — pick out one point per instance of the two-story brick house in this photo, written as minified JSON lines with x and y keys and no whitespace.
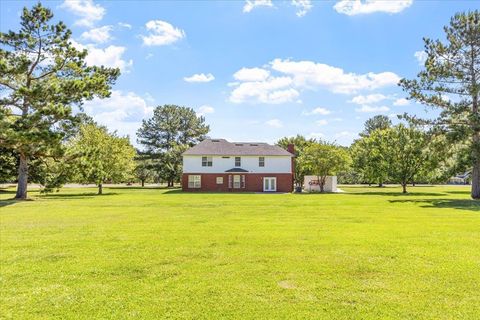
{"x":219,"y":165}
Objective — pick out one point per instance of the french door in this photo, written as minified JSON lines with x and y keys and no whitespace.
{"x":269,"y":184}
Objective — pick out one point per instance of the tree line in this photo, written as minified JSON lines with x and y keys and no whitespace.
{"x":46,"y":138}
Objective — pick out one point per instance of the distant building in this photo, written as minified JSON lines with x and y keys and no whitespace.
{"x":460,"y":179}
{"x":219,"y":165}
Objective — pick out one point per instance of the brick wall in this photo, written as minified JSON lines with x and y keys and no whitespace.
{"x":253,"y":182}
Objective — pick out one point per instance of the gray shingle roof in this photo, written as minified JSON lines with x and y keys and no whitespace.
{"x":221,"y":147}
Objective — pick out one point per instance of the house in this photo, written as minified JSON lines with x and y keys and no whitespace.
{"x":460,"y":179}
{"x":219,"y":165}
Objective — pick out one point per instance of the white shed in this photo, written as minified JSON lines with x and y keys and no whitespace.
{"x":310,"y":184}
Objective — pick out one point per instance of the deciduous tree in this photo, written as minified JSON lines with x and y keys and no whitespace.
{"x":300,"y":143}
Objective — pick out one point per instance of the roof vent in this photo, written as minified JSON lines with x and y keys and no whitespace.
{"x":215,"y":140}
{"x":254,"y":145}
{"x":239,"y":144}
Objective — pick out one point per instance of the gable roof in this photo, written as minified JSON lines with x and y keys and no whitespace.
{"x":221,"y":147}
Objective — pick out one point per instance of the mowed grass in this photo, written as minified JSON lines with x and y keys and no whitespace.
{"x":154,"y":254}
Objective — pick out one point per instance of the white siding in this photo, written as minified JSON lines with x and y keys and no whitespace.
{"x":273,"y":164}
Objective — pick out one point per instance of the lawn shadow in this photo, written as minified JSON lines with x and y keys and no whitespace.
{"x":7,"y":202}
{"x":399,"y":194}
{"x":85,"y":195}
{"x":461,"y":204}
{"x":142,"y":188}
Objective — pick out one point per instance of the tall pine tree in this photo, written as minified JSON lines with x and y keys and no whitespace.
{"x":42,"y":78}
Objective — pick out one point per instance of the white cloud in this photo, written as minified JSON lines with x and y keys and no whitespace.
{"x":148,"y":56}
{"x":88,"y":11}
{"x":111,"y":56}
{"x":315,"y":135}
{"x":203,"y":110}
{"x":303,"y":6}
{"x":311,"y":74}
{"x":123,"y":112}
{"x":259,"y":85}
{"x":251,"y":4}
{"x":355,"y":7}
{"x":401,"y":102}
{"x":125,"y":25}
{"x":321,"y":122}
{"x":274,"y":123}
{"x":161,"y":33}
{"x":317,"y":111}
{"x":200,"y":77}
{"x":371,"y":98}
{"x":421,"y":57}
{"x":251,"y":74}
{"x":98,"y":35}
{"x":368,"y":109}
{"x":273,"y":90}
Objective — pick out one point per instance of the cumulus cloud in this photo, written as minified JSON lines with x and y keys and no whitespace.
{"x":421,"y":57}
{"x":367,"y":99}
{"x":356,"y":7}
{"x":401,"y":102}
{"x":200,"y":77}
{"x":251,"y":4}
{"x":370,"y":109}
{"x":303,"y":6}
{"x":273,"y":90}
{"x":111,"y":56}
{"x":274,"y":123}
{"x":317,"y":111}
{"x":98,"y":35}
{"x":125,"y":25}
{"x":259,"y":85}
{"x":251,"y":74}
{"x":123,"y":112}
{"x":161,"y":33}
{"x":203,"y":110}
{"x":309,"y":73}
{"x":87,"y":11}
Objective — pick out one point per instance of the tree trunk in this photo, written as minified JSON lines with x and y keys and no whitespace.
{"x":404,"y":187}
{"x":476,"y":179}
{"x":143,"y":183}
{"x":380,"y":184}
{"x":22,"y":178}
{"x":100,"y":188}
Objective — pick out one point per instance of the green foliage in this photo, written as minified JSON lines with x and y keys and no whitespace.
{"x":450,"y":82}
{"x":300,"y":143}
{"x":407,"y":153}
{"x":369,"y":155}
{"x":323,"y":159}
{"x":101,"y":156}
{"x":42,"y":77}
{"x":166,"y":135}
{"x":8,"y":165}
{"x":378,"y":122}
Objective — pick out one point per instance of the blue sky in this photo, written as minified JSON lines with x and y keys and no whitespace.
{"x":257,"y":70}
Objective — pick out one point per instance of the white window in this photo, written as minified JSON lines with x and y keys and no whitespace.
{"x":238,"y":162}
{"x":219,"y":180}
{"x":261,"y":161}
{"x":207,"y":161}
{"x":237,"y":181}
{"x":194,"y":181}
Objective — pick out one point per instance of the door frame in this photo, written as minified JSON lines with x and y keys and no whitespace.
{"x":270,"y":184}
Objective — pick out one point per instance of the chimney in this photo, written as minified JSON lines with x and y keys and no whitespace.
{"x":291,"y":148}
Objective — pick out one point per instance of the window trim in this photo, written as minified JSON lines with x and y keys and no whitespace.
{"x":207,"y":161}
{"x":219,"y":180}
{"x":237,"y":184}
{"x":194,"y":181}
{"x":261,"y":162}
{"x":239,"y":161}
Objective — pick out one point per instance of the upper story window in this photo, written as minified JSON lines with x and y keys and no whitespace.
{"x":261,"y":161}
{"x":207,"y":161}
{"x":238,"y":162}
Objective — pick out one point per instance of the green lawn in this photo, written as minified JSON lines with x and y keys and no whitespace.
{"x":153,"y":253}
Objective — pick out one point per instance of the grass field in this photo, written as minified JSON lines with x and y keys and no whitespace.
{"x":154,"y":253}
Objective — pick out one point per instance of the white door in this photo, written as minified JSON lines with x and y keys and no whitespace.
{"x":269,"y":184}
